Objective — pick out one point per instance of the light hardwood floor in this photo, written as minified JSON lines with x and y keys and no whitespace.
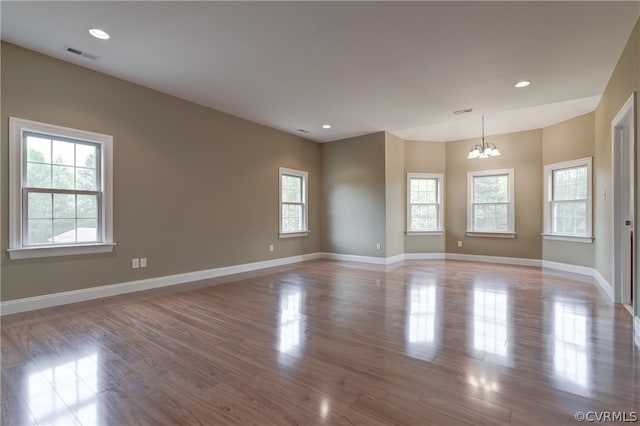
{"x":324,"y":342}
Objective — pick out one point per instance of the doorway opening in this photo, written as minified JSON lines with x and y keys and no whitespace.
{"x":624,"y":204}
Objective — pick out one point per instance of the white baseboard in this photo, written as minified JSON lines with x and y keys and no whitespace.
{"x":355,"y":258}
{"x":423,"y":256}
{"x":601,"y":282}
{"x":494,"y":259}
{"x":604,"y":285}
{"x":56,"y":299}
{"x":574,"y":269}
{"x":636,"y":329}
{"x":63,"y":298}
{"x":396,"y":258}
{"x":382,"y":260}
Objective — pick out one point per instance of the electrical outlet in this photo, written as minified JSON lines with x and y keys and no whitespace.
{"x":271,"y":247}
{"x":143,"y":262}
{"x":135,"y":263}
{"x":378,"y":246}
{"x":459,"y":243}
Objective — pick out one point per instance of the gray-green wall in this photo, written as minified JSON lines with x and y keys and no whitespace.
{"x":395,"y":182}
{"x":353,"y":196}
{"x":194,"y":188}
{"x":624,"y":81}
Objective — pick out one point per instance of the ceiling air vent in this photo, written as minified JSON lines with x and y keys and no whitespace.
{"x":463,"y":111}
{"x":81,"y":53}
{"x":303,"y":131}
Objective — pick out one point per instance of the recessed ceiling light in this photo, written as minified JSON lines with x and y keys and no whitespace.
{"x":523,"y":83}
{"x":326,"y":126}
{"x":98,"y":33}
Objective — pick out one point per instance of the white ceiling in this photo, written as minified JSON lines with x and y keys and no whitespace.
{"x":403,"y":67}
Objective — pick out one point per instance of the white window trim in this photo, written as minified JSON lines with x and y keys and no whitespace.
{"x":491,"y":234}
{"x":511,"y":225}
{"x":440,"y":178}
{"x":548,"y":192}
{"x":305,"y":216}
{"x":16,"y":249}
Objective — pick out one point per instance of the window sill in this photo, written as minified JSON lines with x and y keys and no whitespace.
{"x":569,"y":238}
{"x":418,"y":233}
{"x":51,"y":251}
{"x":293,"y":234}
{"x":491,"y":234}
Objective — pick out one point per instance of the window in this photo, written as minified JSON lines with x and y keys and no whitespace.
{"x":293,"y":203}
{"x":490,"y":204}
{"x":567,"y":195}
{"x":424,"y":204}
{"x":60,"y":191}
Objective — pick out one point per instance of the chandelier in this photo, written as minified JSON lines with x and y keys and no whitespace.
{"x":483,"y":150}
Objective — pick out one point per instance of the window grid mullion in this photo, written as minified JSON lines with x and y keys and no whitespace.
{"x":26,"y":190}
{"x":565,"y":214}
{"x":36,"y":179}
{"x":293,"y":182}
{"x":494,"y":188}
{"x":576,"y":200}
{"x":75,"y":168}
{"x":436,"y":205}
{"x":61,"y":191}
{"x":424,"y":186}
{"x":25,"y":208}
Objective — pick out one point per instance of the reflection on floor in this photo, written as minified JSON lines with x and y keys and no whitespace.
{"x":291,"y":326}
{"x":490,"y":321}
{"x":65,"y":393}
{"x":421,"y":342}
{"x":570,"y":342}
{"x":421,"y":314}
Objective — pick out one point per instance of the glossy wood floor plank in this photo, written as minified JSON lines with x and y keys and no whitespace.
{"x":324,"y":342}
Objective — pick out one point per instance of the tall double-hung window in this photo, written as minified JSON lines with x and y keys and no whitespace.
{"x":60,"y":200}
{"x":424,"y":204}
{"x":293,"y":203}
{"x":491,"y":203}
{"x":568,"y":205}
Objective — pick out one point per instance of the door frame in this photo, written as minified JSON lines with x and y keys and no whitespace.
{"x":623,"y":147}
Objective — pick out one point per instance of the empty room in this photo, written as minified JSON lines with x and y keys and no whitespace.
{"x":319,"y":212}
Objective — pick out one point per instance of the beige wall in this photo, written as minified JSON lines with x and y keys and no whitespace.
{"x":194,"y":188}
{"x":425,"y":157}
{"x":569,"y":140}
{"x":395,"y":179}
{"x":353,"y":195}
{"x":624,"y":81}
{"x":521,"y":151}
